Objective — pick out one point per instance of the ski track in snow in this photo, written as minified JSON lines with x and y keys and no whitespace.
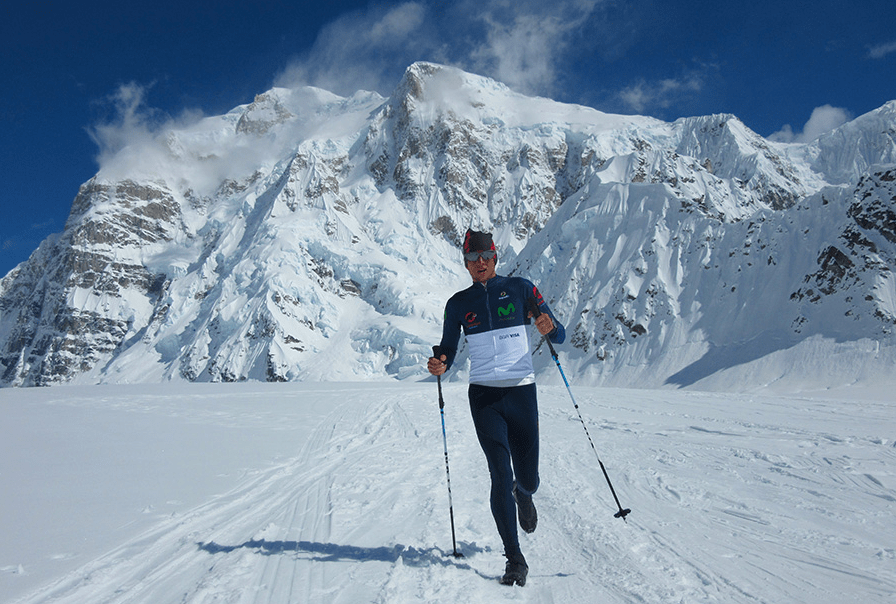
{"x":735,"y":499}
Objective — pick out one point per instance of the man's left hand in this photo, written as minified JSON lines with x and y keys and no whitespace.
{"x":544,"y":324}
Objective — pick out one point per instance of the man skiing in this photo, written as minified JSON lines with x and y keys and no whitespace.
{"x":493,"y":316}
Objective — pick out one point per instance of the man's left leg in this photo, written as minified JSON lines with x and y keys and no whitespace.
{"x":522,"y":433}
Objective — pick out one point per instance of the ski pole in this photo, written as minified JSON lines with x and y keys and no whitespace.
{"x":437,"y":353}
{"x":622,"y":513}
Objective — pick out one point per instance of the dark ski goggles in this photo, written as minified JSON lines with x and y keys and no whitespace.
{"x":485,"y":255}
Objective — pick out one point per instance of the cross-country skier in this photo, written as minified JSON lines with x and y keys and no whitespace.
{"x":493,"y":316}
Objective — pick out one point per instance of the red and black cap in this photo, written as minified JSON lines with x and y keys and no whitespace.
{"x":476,"y":241}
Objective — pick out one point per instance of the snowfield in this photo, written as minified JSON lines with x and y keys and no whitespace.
{"x":336,"y":493}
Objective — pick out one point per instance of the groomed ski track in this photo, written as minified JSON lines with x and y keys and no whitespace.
{"x":734,"y":498}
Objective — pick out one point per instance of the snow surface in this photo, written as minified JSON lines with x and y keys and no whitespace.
{"x":336,"y":492}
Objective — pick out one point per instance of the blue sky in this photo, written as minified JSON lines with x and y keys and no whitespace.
{"x":77,"y":77}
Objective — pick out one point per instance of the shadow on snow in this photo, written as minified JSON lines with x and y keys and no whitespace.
{"x":331,"y":552}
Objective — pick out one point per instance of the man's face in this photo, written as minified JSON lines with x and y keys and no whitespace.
{"x":482,"y":269}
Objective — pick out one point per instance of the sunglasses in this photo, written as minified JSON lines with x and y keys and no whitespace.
{"x":485,"y":255}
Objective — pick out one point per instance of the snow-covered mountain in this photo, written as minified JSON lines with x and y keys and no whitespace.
{"x":307,"y":236}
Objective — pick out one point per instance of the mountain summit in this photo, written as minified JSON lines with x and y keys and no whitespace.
{"x":307,"y":236}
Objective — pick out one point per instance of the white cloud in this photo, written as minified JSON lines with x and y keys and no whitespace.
{"x":881,"y":50}
{"x":398,"y":24}
{"x":643,"y":95}
{"x":520,"y":43}
{"x":524,"y":46}
{"x":131,"y":123}
{"x":521,"y":54}
{"x":362,"y":50}
{"x":636,"y":97}
{"x":823,"y":120}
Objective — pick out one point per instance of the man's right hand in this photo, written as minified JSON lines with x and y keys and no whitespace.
{"x":437,"y":366}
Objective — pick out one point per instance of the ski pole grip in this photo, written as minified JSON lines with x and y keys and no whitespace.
{"x":536,"y":312}
{"x":533,"y":307}
{"x":437,"y":354}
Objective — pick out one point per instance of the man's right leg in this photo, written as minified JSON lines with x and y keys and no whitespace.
{"x":491,"y":430}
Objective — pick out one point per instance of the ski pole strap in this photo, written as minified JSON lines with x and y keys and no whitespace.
{"x":533,"y":307}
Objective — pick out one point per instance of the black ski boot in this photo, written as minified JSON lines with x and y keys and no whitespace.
{"x":525,"y":510}
{"x":516,"y":570}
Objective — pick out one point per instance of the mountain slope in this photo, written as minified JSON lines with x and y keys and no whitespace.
{"x":309,"y":236}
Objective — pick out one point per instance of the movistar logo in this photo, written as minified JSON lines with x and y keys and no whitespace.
{"x":507,"y":310}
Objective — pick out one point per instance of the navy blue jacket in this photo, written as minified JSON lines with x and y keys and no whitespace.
{"x":493,"y":317}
